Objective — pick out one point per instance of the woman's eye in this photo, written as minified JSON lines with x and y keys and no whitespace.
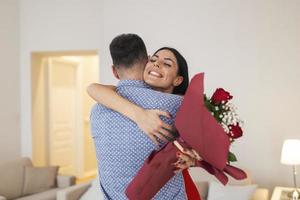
{"x":167,"y":64}
{"x":152,"y":60}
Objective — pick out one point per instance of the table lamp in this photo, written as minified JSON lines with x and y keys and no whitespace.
{"x":290,"y":155}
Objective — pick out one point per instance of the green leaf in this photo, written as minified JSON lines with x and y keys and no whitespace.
{"x":231,"y":157}
{"x":212,"y":108}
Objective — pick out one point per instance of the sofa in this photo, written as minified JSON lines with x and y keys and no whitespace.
{"x":204,"y":182}
{"x":20,"y":180}
{"x":91,"y":190}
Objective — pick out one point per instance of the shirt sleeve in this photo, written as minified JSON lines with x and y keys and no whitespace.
{"x":95,"y":117}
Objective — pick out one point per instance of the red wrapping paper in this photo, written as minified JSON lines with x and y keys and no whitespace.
{"x":199,"y":129}
{"x":154,"y":174}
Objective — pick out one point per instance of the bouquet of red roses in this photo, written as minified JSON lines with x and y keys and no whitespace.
{"x":224,"y":111}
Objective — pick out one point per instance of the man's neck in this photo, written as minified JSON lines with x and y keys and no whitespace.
{"x":133,"y":73}
{"x":132,"y":76}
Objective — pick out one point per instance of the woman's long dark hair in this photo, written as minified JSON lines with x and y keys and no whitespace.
{"x":182,"y":71}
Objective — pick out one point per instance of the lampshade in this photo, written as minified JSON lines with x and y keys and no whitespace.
{"x":290,"y":154}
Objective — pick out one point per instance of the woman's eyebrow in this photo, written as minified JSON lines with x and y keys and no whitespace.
{"x":169,"y":59}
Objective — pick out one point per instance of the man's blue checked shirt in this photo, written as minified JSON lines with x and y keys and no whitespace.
{"x":122,"y":148}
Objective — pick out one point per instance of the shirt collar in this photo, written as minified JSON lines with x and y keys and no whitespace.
{"x":135,"y":83}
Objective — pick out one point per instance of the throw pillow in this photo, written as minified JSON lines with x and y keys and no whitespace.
{"x":217,"y":191}
{"x":38,"y":179}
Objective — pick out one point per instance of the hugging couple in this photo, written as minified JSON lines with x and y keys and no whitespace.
{"x":132,"y":119}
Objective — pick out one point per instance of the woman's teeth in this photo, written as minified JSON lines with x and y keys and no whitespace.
{"x":155,"y":74}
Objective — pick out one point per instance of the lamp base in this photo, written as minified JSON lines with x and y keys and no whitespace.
{"x":294,"y":195}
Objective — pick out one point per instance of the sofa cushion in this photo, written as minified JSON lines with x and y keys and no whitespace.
{"x":217,"y":191}
{"x":46,"y":195}
{"x":12,"y":174}
{"x":38,"y":179}
{"x":202,"y":178}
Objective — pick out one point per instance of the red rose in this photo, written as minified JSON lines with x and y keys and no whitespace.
{"x":220,"y":95}
{"x":235,"y":131}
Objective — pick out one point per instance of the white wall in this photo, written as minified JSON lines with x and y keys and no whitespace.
{"x":9,"y":80}
{"x":248,"y":47}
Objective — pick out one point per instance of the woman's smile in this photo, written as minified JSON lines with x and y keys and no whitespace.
{"x":155,"y":73}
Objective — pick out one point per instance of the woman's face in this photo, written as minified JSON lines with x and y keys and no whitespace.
{"x":161,"y":72}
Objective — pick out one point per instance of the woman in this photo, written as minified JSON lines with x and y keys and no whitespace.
{"x":166,"y":71}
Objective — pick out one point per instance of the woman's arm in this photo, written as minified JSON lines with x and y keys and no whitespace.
{"x":147,"y":120}
{"x":107,"y":96}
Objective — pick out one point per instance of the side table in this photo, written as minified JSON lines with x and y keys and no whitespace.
{"x":280,"y":193}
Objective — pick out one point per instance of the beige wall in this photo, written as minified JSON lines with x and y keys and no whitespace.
{"x":9,"y":80}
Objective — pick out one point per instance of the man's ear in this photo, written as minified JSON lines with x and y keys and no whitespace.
{"x":114,"y":70}
{"x":178,"y":80}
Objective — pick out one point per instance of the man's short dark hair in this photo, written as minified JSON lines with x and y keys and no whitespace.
{"x":127,"y":50}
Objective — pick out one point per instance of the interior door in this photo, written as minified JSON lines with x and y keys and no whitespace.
{"x":62,"y":97}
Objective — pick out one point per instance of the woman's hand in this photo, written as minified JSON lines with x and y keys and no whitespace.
{"x":186,"y":159}
{"x":152,"y":125}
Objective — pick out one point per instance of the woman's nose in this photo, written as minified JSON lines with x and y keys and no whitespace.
{"x":156,"y":65}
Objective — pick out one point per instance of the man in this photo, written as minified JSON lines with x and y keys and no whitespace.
{"x":121,"y":147}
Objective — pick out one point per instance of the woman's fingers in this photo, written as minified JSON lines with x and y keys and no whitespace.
{"x":153,"y":138}
{"x":181,"y":167}
{"x":197,"y":155}
{"x":163,"y":113}
{"x":166,"y":127}
{"x":184,"y":157}
{"x":168,"y":136}
{"x":160,"y":137}
{"x":185,"y":160}
{"x":151,"y":123}
{"x":181,"y":164}
{"x":162,"y":124}
{"x":192,"y":153}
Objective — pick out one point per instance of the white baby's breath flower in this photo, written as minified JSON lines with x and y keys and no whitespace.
{"x":225,"y":127}
{"x":234,"y":122}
